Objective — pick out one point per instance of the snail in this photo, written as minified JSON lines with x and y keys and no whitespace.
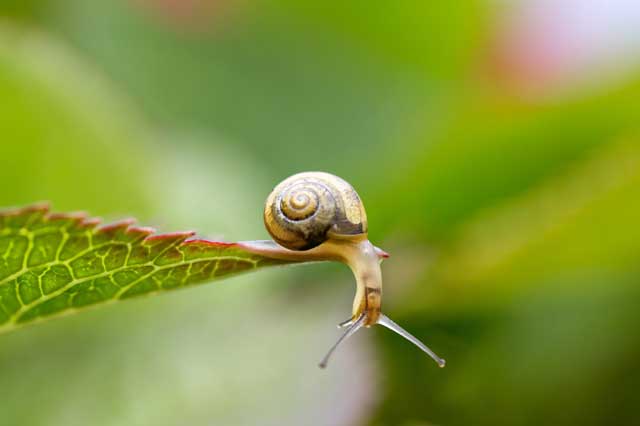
{"x":316,"y":216}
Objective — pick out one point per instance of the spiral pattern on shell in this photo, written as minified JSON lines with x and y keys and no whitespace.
{"x":299,"y":202}
{"x":302,"y":209}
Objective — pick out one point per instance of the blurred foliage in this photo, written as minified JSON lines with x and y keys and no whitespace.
{"x":438,"y":41}
{"x":534,"y":299}
{"x":20,"y":9}
{"x":47,"y":124}
{"x":511,"y":215}
{"x":226,"y":83}
{"x":491,"y":148}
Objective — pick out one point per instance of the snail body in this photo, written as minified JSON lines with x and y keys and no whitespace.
{"x":316,"y":216}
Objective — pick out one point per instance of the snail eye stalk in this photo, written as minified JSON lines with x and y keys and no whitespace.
{"x":351,"y":329}
{"x":386,"y":321}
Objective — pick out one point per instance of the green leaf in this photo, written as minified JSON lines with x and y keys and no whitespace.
{"x":56,"y":263}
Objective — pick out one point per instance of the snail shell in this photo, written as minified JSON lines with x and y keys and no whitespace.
{"x":306,"y":209}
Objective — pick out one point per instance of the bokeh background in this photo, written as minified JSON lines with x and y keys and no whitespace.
{"x":496,"y":146}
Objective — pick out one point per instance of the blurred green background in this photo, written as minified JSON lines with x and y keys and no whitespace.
{"x":496,"y":146}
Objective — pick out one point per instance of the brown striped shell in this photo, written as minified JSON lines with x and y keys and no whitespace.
{"x":307,"y":208}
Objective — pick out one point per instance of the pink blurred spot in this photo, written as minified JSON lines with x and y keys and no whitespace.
{"x":192,"y":15}
{"x":548,"y":44}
